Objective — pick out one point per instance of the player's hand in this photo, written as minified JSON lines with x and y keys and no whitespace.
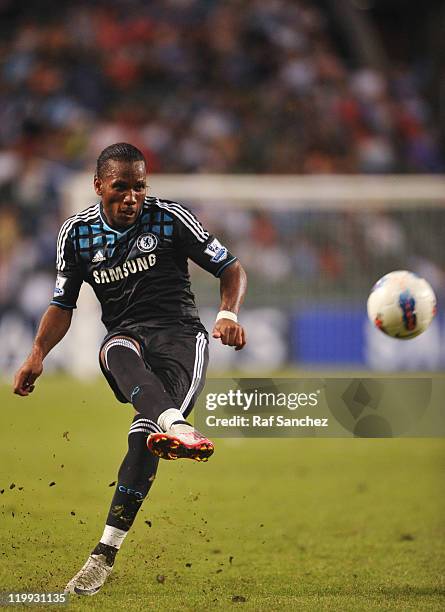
{"x":230,"y":333}
{"x":26,"y":376}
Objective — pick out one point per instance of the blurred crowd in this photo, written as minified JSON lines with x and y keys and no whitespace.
{"x":297,"y":256}
{"x":249,"y":86}
{"x":204,"y":86}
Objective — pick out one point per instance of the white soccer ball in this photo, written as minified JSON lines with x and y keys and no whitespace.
{"x":401,"y":304}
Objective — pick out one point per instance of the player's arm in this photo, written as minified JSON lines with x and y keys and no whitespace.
{"x":57,"y":319}
{"x":53,"y":326}
{"x":233,"y":285}
{"x":206,"y":251}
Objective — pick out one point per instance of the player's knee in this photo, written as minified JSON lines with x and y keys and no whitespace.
{"x":118,"y":344}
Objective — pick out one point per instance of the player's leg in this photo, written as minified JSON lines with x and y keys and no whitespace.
{"x":182,"y":372}
{"x":135,"y":478}
{"x":132,"y":380}
{"x":180,"y":360}
{"x":161,"y":383}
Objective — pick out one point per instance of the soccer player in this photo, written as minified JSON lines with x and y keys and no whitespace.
{"x":133,"y":251}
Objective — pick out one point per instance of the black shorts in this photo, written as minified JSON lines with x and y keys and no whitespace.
{"x":178,"y":355}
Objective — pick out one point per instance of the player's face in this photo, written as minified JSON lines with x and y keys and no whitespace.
{"x":122,"y":189}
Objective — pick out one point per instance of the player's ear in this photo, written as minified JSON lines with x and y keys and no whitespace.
{"x":97,"y":185}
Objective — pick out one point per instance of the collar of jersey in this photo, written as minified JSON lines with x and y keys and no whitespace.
{"x":111,"y":229}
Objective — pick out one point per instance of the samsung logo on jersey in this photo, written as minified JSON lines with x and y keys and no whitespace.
{"x":111,"y":275}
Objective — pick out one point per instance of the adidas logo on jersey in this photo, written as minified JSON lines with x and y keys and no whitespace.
{"x":98,"y":257}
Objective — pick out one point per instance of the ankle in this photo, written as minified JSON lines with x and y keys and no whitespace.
{"x":167,"y":418}
{"x":109,"y":552}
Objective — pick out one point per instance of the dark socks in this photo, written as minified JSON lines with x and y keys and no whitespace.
{"x":137,"y":383}
{"x":135,"y":478}
{"x":136,"y":475}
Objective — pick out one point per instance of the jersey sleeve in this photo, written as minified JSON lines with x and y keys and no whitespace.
{"x":200,"y":246}
{"x":69,"y":274}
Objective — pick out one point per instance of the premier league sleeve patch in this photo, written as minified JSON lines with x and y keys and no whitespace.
{"x":216,"y":251}
{"x":60,"y":283}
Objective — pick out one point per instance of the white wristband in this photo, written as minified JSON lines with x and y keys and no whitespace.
{"x":226,"y":314}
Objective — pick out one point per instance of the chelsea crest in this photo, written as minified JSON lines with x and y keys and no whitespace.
{"x":147,"y":243}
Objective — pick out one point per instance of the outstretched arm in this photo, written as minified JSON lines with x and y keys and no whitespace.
{"x":233,"y":285}
{"x":53,"y":326}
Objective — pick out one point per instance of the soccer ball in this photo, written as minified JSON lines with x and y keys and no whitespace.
{"x":401,"y":304}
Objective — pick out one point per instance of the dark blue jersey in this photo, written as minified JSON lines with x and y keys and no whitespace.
{"x":139,"y":275}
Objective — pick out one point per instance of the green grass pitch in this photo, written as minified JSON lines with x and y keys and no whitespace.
{"x":301,"y":524}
